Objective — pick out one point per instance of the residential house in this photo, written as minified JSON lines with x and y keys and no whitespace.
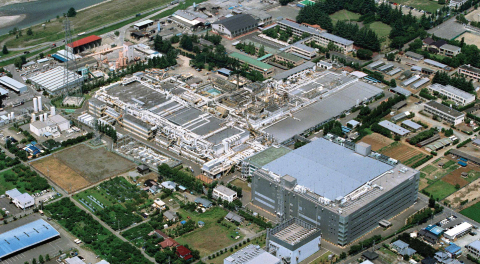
{"x":233,"y":217}
{"x":170,"y":216}
{"x":453,"y":250}
{"x":183,"y":253}
{"x":402,"y":248}
{"x":169,"y":243}
{"x":203,"y":202}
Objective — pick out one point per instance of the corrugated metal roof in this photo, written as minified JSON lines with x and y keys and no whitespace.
{"x":250,"y":60}
{"x":299,"y":68}
{"x":84,"y":41}
{"x":12,"y":83}
{"x":394,"y":128}
{"x":411,"y":124}
{"x":238,"y":22}
{"x":435,"y":63}
{"x":25,"y":236}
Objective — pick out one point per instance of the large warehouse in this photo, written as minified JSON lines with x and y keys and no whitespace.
{"x":53,"y":81}
{"x":25,"y":236}
{"x":345,"y":189}
{"x":85,"y":43}
{"x":13,"y":84}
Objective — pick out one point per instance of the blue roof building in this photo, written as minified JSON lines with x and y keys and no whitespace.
{"x":453,"y":250}
{"x":434,"y":229}
{"x":26,"y":236}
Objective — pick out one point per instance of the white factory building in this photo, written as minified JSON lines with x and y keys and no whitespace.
{"x":49,"y":125}
{"x":224,"y":193}
{"x":21,"y":200}
{"x":13,"y":85}
{"x":293,"y":240}
{"x":53,"y":81}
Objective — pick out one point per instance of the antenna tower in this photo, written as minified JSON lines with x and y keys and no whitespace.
{"x":69,"y":63}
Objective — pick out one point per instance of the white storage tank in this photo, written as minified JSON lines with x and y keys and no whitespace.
{"x":35,"y":105}
{"x":40,"y":108}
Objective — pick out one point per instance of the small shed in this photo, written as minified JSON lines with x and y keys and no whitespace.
{"x":201,"y":223}
{"x":143,"y":169}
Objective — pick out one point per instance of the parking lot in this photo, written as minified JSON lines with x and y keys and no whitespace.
{"x":52,"y":248}
{"x":8,"y":206}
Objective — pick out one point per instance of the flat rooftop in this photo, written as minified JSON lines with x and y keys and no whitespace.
{"x":322,"y":110}
{"x":293,"y":233}
{"x":268,"y":155}
{"x":26,"y":236}
{"x":137,"y":93}
{"x":328,"y":169}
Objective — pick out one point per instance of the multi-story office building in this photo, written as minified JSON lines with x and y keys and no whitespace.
{"x":469,"y":72}
{"x":344,"y":190}
{"x":444,"y":112}
{"x":460,"y":97}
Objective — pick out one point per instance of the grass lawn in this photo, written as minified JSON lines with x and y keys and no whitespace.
{"x":212,"y":236}
{"x":472,"y":212}
{"x":344,"y":15}
{"x":426,"y":5}
{"x":440,"y":189}
{"x":241,"y":184}
{"x":322,"y":259}
{"x":429,"y":169}
{"x":382,"y":30}
{"x":472,"y":175}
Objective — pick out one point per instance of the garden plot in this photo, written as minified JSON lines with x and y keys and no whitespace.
{"x":115,"y":201}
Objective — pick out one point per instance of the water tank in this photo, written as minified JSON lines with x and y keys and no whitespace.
{"x":52,"y":110}
{"x":40,"y":103}
{"x":35,"y":105}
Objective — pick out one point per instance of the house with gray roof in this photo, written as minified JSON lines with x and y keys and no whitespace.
{"x":403,"y":248}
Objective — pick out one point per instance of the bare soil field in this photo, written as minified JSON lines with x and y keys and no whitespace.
{"x":470,"y":38}
{"x":79,"y":166}
{"x":94,"y":164}
{"x":404,"y":153}
{"x":377,"y":141}
{"x":61,"y":174}
{"x":470,"y":192}
{"x":473,"y":16}
{"x":455,"y":177}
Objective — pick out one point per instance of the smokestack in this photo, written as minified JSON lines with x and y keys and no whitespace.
{"x":35,"y":104}
{"x":34,"y":117}
{"x":52,"y":110}
{"x":40,"y":108}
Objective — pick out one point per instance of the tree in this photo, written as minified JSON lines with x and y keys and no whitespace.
{"x":5,"y":50}
{"x":41,"y":55}
{"x":29,"y":32}
{"x":34,"y":261}
{"x":71,"y":12}
{"x":40,"y":259}
{"x":47,"y":257}
{"x":393,"y":83}
{"x":457,"y":186}
{"x":364,"y":54}
{"x":343,"y":255}
{"x":261,"y":51}
{"x":431,"y":202}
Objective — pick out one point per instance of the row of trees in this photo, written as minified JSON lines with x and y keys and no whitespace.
{"x":422,"y":136}
{"x":458,"y":82}
{"x":93,"y":234}
{"x":363,"y":37}
{"x":108,"y":130}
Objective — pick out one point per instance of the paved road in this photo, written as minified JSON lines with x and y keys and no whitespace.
{"x":61,"y":42}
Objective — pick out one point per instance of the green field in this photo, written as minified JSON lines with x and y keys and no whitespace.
{"x":427,"y":5}
{"x":212,"y":236}
{"x":440,"y":189}
{"x":382,"y":30}
{"x":472,"y":212}
{"x":344,"y":15}
{"x":472,"y":175}
{"x":429,"y":169}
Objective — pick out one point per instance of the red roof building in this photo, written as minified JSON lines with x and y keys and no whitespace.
{"x":85,"y":43}
{"x":168,"y":243}
{"x":183,"y":253}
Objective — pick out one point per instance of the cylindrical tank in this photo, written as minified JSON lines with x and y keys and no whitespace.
{"x":34,"y":117}
{"x":35,"y":104}
{"x":41,"y":117}
{"x":45,"y":115}
{"x":12,"y":115}
{"x":40,"y":108}
{"x":52,"y":110}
